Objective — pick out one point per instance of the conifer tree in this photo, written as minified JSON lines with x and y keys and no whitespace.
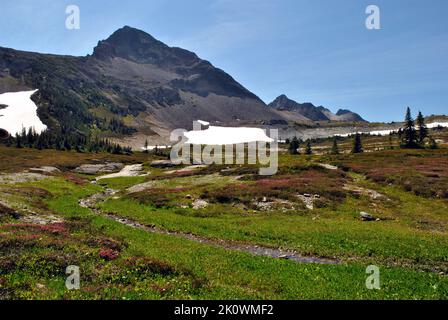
{"x":335,"y":148}
{"x":422,"y":129}
{"x":294,"y":146}
{"x":357,"y":144}
{"x":146,"y":146}
{"x":308,"y":149}
{"x":18,"y":141}
{"x":409,"y":132}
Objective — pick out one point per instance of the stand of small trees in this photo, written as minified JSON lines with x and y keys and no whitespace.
{"x":413,"y":136}
{"x":64,"y":141}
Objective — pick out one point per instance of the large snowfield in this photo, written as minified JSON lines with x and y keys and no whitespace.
{"x":21,"y":112}
{"x":226,"y":135}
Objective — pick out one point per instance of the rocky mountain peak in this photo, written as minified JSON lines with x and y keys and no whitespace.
{"x":138,"y":46}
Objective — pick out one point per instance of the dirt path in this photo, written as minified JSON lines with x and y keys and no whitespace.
{"x":279,"y":253}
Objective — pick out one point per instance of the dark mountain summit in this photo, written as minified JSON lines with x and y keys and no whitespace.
{"x":311,"y":112}
{"x":347,"y":115}
{"x":308,"y":110}
{"x":140,"y":47}
{"x":131,"y":84}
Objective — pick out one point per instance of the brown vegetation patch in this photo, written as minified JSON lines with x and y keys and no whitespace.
{"x":425,"y":173}
{"x":74,"y":178}
{"x":287,"y":187}
{"x":158,"y":197}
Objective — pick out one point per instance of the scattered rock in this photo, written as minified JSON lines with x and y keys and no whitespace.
{"x":162,"y":164}
{"x":7,"y":211}
{"x":187,"y":169}
{"x":20,"y":177}
{"x":276,"y":204}
{"x":41,"y":219}
{"x":264,"y":206}
{"x":140,"y":187}
{"x":199,"y":204}
{"x":99,"y":168}
{"x":308,"y":200}
{"x":367,"y":217}
{"x":45,"y":169}
{"x":327,"y":166}
{"x":374,"y":195}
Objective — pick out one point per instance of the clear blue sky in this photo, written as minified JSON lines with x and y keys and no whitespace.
{"x":313,"y":50}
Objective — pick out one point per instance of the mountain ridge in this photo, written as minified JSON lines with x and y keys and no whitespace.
{"x":312,"y":112}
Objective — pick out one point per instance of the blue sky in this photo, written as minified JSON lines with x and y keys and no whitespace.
{"x":310,"y":50}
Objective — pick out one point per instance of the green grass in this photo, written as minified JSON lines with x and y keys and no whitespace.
{"x":121,"y":183}
{"x":235,"y":275}
{"x":336,"y":234}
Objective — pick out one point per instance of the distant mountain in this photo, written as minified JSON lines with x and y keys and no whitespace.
{"x":131,"y":86}
{"x":311,"y":112}
{"x":347,"y":115}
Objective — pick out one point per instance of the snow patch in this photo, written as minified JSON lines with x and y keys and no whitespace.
{"x":387,"y":132}
{"x":150,"y":148}
{"x":204,"y":123}
{"x":21,"y":112}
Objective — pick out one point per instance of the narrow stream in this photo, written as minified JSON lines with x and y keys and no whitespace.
{"x":92,"y":201}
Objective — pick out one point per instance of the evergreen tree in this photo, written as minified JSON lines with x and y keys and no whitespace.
{"x":308,"y":149}
{"x":18,"y":141}
{"x":409,"y":132}
{"x":422,"y":129}
{"x":335,"y":148}
{"x":146,"y":146}
{"x":294,"y":146}
{"x":357,"y":144}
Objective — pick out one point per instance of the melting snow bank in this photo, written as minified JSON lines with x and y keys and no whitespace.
{"x":227,"y":136}
{"x":21,"y":112}
{"x":150,"y":148}
{"x":387,"y":132}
